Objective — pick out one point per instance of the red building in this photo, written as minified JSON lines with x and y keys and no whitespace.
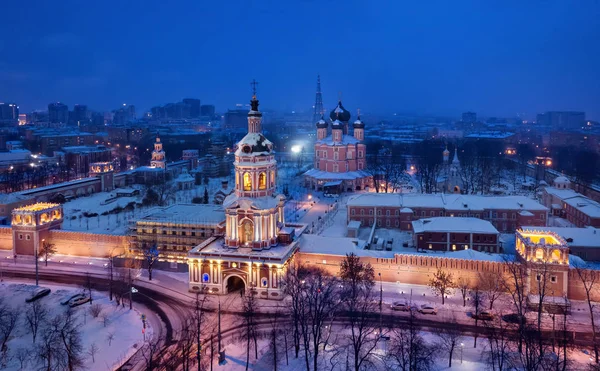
{"x":452,"y":234}
{"x":339,"y":156}
{"x":397,"y":210}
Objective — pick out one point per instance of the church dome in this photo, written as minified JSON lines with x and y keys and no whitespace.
{"x":340,"y":113}
{"x":321,"y":124}
{"x":358,"y":124}
{"x":254,"y":144}
{"x":337,"y":124}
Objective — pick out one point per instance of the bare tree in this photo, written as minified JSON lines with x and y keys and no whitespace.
{"x":293,"y":287}
{"x":48,"y":353}
{"x":186,"y":342}
{"x":110,"y":337}
{"x":69,"y":336}
{"x":463,"y":285}
{"x":441,"y":283}
{"x":23,"y":355}
{"x":92,"y":351}
{"x":514,"y":282}
{"x":477,"y":303}
{"x":320,"y":300}
{"x":150,"y":253}
{"x":249,"y":325}
{"x":499,"y":345}
{"x":47,"y":250}
{"x":491,"y":286}
{"x":95,"y":310}
{"x":198,"y":322}
{"x":35,"y":315}
{"x":589,"y":280}
{"x":408,"y":350}
{"x":150,"y":353}
{"x":9,"y":318}
{"x":357,"y":301}
{"x":449,"y":339}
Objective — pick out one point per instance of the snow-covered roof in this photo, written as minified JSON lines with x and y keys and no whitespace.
{"x":406,"y":210}
{"x":561,"y":180}
{"x":254,"y":144}
{"x":333,"y":183}
{"x":585,"y":205}
{"x":354,"y":224}
{"x":525,"y":213}
{"x":561,"y":193}
{"x":184,"y":177}
{"x":326,"y":175}
{"x":187,"y":214}
{"x":446,"y":201}
{"x":9,"y":198}
{"x":581,"y":237}
{"x":346,"y":139}
{"x":450,"y":224}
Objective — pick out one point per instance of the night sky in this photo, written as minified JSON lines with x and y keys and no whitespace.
{"x":498,"y":58}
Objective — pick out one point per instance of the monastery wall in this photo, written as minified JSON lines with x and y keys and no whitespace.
{"x":88,"y":244}
{"x":418,"y":270}
{"x":6,"y":238}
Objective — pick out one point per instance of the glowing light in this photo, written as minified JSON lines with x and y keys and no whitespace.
{"x":296,"y":148}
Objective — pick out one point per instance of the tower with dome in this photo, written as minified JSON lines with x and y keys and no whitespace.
{"x":340,"y":158}
{"x":256,"y":246}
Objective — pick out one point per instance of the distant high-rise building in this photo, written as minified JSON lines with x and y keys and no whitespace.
{"x":469,"y":117}
{"x":207,"y":110}
{"x":561,"y":120}
{"x":131,"y":112}
{"x":319,"y":110}
{"x":124,"y":114}
{"x":236,"y":119}
{"x":195,"y":107}
{"x":80,"y":114}
{"x":58,"y":112}
{"x":9,"y":112}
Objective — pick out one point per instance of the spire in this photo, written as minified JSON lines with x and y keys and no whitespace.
{"x":455,"y":159}
{"x":254,"y":101}
{"x":319,"y":110}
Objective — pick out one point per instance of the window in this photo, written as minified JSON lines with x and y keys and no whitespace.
{"x":205,"y":277}
{"x":539,"y":254}
{"x":441,"y":213}
{"x":262,"y":181}
{"x":174,"y":233}
{"x":466,"y":247}
{"x":387,"y":213}
{"x":360,"y":154}
{"x":371,"y":212}
{"x":432,"y":213}
{"x":247,"y":182}
{"x":538,"y":277}
{"x":352,"y":212}
{"x":324,"y":261}
{"x":264,"y":282}
{"x":503,"y":215}
{"x":20,"y":236}
{"x":430,"y":246}
{"x":362,"y":211}
{"x":387,"y":222}
{"x":553,"y":279}
{"x":423,"y":214}
{"x":183,"y":233}
{"x":513,"y":216}
{"x":193,"y":233}
{"x":378,"y":212}
{"x":164,"y":232}
{"x":336,"y":155}
{"x":555,"y":255}
{"x":453,"y":247}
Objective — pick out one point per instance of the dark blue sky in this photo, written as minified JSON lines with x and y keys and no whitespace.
{"x":431,"y":57}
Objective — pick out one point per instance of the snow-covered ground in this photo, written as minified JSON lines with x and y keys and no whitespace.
{"x":124,"y":324}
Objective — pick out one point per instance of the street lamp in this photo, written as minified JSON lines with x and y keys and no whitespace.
{"x":380,"y":304}
{"x":462,"y":345}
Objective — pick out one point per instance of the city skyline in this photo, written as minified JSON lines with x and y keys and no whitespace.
{"x":440,"y":60}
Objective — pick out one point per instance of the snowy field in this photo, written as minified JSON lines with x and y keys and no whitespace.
{"x":115,"y":333}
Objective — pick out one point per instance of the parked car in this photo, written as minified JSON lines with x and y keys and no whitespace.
{"x":78,"y":301}
{"x":38,"y":293}
{"x":427,"y":309}
{"x":400,"y":306}
{"x":484,"y":316}
{"x":66,"y":300}
{"x":514,"y":318}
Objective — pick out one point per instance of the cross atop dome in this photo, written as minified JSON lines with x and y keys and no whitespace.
{"x":254,"y":101}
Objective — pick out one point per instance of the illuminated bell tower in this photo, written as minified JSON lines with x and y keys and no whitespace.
{"x":546,"y":256}
{"x":158,"y":155}
{"x":31,"y":225}
{"x":254,"y":214}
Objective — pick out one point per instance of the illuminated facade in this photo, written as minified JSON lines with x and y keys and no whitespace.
{"x":546,"y":257}
{"x":158,"y":155}
{"x":105,"y":172}
{"x":31,"y":225}
{"x":257,"y":245}
{"x":339,"y":156}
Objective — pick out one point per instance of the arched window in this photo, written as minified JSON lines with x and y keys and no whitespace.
{"x":539,"y":254}
{"x":205,"y":277}
{"x":247,"y":182}
{"x":262,"y":181}
{"x":555,"y":255}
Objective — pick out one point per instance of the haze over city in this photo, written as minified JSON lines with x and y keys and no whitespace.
{"x":439,"y":57}
{"x":300,"y":185}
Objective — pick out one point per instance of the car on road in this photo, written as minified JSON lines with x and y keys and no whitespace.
{"x":398,"y":305}
{"x":514,"y":318}
{"x":78,"y":301}
{"x":427,"y":309}
{"x":68,"y":299}
{"x":484,"y":315}
{"x":38,"y":293}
